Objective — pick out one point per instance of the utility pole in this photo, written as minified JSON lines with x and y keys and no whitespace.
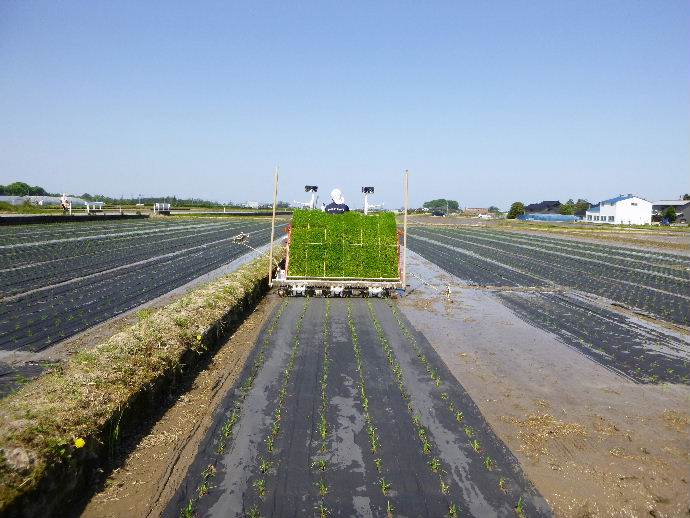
{"x":273,"y":228}
{"x":406,"y":201}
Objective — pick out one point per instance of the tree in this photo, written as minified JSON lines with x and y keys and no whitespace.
{"x":686,"y":196}
{"x":516,"y":209}
{"x":494,"y":209}
{"x":669,"y":214}
{"x":22,"y":189}
{"x":581,"y":205}
{"x":567,"y":208}
{"x":441,"y":203}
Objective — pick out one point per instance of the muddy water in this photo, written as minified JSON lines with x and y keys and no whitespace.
{"x":593,"y":442}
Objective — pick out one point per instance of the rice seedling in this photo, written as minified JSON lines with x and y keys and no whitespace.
{"x":453,"y":510}
{"x":319,"y":465}
{"x":260,"y":486}
{"x":265,"y":466}
{"x":520,"y":508}
{"x":384,"y":486}
{"x":322,"y":510}
{"x":445,"y":488}
{"x":322,"y":486}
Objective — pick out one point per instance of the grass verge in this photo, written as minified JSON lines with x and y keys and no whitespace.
{"x":58,"y":430}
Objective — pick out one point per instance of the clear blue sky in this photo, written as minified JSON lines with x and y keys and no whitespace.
{"x":484,"y":102}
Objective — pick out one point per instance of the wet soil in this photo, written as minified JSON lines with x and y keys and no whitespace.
{"x":593,"y":441}
{"x":475,"y":473}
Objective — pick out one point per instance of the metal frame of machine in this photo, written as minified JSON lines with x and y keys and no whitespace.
{"x":339,"y":286}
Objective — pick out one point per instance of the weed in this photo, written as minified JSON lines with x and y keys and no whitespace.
{"x":143,"y":314}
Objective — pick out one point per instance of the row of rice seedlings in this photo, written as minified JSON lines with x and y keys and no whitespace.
{"x":320,"y":464}
{"x":488,"y":462}
{"x":372,"y":431}
{"x":226,"y":429}
{"x":266,"y":465}
{"x":434,"y":463}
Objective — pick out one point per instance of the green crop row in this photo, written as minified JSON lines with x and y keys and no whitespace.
{"x":349,"y":245}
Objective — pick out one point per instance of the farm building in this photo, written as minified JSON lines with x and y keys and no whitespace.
{"x":547,"y":217}
{"x":40,"y":200}
{"x":625,"y":209}
{"x":682,"y":209}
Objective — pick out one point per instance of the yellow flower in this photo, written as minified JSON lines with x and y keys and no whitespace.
{"x":198,"y":337}
{"x":79,"y":442}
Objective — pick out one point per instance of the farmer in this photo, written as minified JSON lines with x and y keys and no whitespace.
{"x":337,"y":206}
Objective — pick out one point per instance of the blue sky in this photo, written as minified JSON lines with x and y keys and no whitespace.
{"x":484,"y":102}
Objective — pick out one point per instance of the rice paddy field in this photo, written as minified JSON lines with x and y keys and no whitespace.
{"x":519,"y":375}
{"x":57,"y":280}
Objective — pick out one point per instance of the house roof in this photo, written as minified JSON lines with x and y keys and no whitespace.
{"x":620,"y":197}
{"x":669,"y":203}
{"x":542,"y":206}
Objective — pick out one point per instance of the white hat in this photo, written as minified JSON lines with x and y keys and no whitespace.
{"x":337,"y":196}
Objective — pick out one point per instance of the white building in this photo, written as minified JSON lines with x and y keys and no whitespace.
{"x":625,"y":209}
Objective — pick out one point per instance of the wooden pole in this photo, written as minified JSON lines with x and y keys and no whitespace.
{"x":273,"y":228}
{"x":406,"y":200}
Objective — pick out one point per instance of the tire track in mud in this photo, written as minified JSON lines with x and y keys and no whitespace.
{"x":360,"y":394}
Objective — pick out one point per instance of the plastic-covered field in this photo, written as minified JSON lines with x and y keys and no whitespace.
{"x":654,"y":282}
{"x":344,"y":409}
{"x":59,"y":279}
{"x":349,"y":245}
